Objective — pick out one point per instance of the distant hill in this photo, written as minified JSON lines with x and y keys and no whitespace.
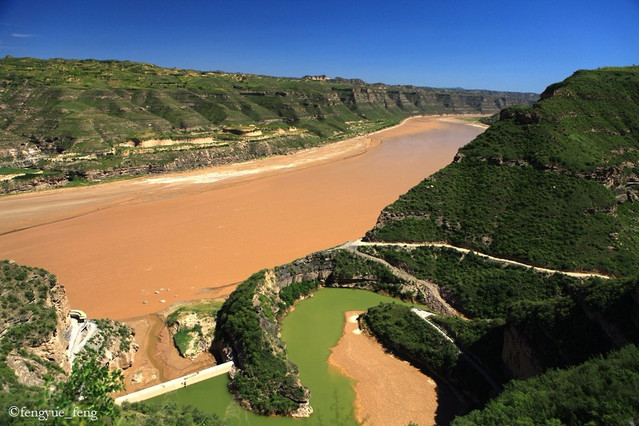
{"x":88,"y":120}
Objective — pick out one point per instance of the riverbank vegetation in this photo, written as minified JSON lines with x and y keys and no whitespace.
{"x":192,"y":326}
{"x":403,"y":332}
{"x":265,"y":381}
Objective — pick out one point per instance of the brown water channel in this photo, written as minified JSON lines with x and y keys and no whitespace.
{"x":130,"y":248}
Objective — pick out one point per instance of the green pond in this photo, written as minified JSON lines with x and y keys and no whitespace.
{"x":309,"y":331}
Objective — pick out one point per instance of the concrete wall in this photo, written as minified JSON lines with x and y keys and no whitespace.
{"x":171,"y":385}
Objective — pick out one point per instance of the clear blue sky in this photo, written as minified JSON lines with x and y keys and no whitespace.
{"x":493,"y":44}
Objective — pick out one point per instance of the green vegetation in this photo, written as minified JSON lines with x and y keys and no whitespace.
{"x":593,"y":318}
{"x":30,"y":302}
{"x":474,"y":285}
{"x":413,"y":339}
{"x":550,"y":184}
{"x":204,"y":309}
{"x":27,"y":318}
{"x":112,"y":331}
{"x":295,"y":291}
{"x":599,"y":391}
{"x":89,"y":388}
{"x":266,"y":380}
{"x":74,"y":115}
{"x":403,"y":332}
{"x":199,"y":326}
{"x":183,"y":337}
{"x":168,"y":414}
{"x":309,"y":331}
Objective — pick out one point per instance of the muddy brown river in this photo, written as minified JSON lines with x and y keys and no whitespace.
{"x":129,"y":248}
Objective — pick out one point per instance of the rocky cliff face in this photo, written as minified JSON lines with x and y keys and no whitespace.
{"x":35,"y":331}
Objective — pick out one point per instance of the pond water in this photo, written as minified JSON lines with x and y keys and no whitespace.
{"x":309,"y":331}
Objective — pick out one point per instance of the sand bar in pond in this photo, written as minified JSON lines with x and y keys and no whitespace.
{"x":388,"y":391}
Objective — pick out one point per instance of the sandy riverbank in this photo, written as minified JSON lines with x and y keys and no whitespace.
{"x":131,"y":248}
{"x":388,"y":391}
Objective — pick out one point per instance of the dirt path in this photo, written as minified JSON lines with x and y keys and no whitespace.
{"x":352,"y":246}
{"x":431,"y":290}
{"x":388,"y":391}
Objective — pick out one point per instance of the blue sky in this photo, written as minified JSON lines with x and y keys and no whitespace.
{"x":499,"y":45}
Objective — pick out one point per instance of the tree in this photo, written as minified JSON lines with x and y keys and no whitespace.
{"x":88,"y":389}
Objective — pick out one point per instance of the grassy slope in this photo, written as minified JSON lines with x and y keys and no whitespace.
{"x":599,"y":391}
{"x":89,"y":105}
{"x":542,"y":183}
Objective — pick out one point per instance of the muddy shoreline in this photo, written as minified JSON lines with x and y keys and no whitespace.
{"x":388,"y":390}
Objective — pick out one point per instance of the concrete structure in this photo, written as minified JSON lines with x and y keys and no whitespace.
{"x":171,"y":385}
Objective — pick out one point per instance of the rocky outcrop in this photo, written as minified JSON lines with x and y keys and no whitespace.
{"x":115,"y":342}
{"x":315,"y":267}
{"x":198,"y":330}
{"x":37,"y":329}
{"x":54,"y":349}
{"x":519,"y":357}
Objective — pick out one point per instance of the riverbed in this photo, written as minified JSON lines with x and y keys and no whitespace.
{"x":131,"y":248}
{"x":310,"y":331}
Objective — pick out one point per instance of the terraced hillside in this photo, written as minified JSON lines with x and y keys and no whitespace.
{"x":86,"y":120}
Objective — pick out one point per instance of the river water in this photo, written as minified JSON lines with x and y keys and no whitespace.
{"x":131,"y":248}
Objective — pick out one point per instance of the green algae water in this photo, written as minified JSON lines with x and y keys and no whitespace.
{"x":310,"y":331}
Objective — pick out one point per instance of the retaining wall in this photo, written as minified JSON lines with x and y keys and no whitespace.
{"x":171,"y":385}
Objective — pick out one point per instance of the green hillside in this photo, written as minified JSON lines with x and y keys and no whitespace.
{"x":554,"y":184}
{"x":551,"y":185}
{"x":87,"y":120}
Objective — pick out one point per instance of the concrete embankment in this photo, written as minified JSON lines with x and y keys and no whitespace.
{"x":171,"y":385}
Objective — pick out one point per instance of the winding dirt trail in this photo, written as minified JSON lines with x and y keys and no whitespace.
{"x":352,"y":246}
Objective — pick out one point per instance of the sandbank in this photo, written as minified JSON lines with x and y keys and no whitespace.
{"x":388,"y":391}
